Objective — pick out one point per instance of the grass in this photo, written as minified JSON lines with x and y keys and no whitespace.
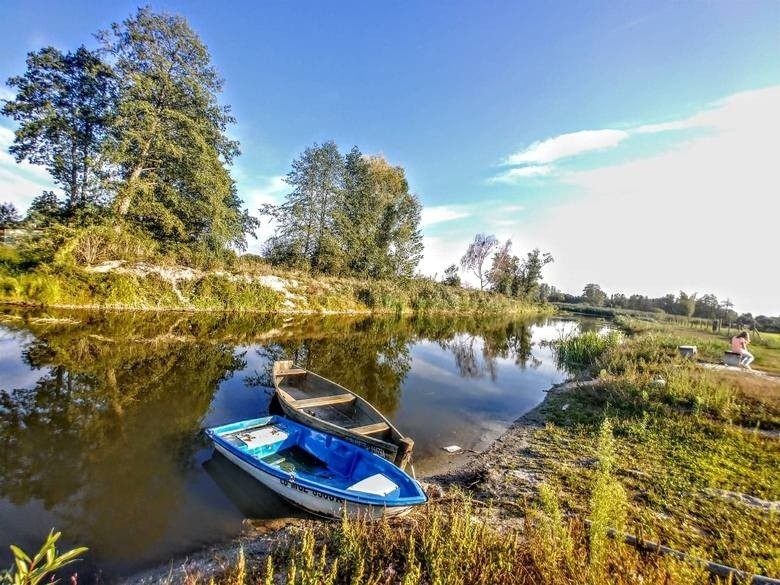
{"x":711,"y":345}
{"x":241,"y":288}
{"x":584,"y":350}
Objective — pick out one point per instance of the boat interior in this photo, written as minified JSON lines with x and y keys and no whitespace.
{"x":319,"y":398}
{"x":305,"y":452}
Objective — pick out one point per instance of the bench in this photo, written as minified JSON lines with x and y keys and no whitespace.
{"x":732,"y":358}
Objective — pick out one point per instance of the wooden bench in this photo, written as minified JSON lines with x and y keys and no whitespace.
{"x":732,"y":358}
{"x":322,"y":401}
{"x":370,"y":429}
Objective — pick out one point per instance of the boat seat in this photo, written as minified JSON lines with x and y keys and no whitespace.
{"x":370,"y":429}
{"x":261,"y":437}
{"x":322,"y":401}
{"x":376,"y":484}
{"x":293,"y":372}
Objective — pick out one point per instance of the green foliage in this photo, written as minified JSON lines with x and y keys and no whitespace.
{"x":584,"y":350}
{"x":451,"y":276}
{"x":9,"y":216}
{"x":346,"y":215}
{"x":607,"y":505}
{"x":63,"y":105}
{"x":511,"y":276}
{"x":168,"y":134}
{"x":32,"y":571}
{"x":593,"y":295}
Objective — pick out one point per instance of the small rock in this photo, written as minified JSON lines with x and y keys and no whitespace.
{"x":451,"y":449}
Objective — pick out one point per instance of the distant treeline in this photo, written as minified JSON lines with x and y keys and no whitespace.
{"x":683,"y":304}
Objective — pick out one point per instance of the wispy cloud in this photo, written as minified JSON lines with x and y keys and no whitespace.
{"x":567,"y":145}
{"x":440,"y":214}
{"x":513,"y":175}
{"x":540,"y":158}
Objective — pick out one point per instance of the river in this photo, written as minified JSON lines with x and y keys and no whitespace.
{"x":101,"y":414}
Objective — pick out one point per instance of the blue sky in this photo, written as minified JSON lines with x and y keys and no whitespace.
{"x":454,"y":91}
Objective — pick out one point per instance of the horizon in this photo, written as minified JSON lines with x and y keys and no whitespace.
{"x":634,"y":142}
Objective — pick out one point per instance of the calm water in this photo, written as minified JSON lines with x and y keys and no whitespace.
{"x":101,"y":415}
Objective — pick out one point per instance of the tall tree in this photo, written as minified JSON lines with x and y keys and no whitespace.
{"x":593,"y":295}
{"x":398,"y":240}
{"x":502,"y":275}
{"x":63,"y":104}
{"x":530,"y":273}
{"x":168,"y":138}
{"x":477,"y":254}
{"x":305,"y":233}
{"x":350,"y":214}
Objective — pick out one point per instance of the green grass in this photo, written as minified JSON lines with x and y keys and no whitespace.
{"x":584,"y":350}
{"x":711,"y":345}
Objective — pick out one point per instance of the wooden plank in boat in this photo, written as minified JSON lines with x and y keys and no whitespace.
{"x":322,"y":401}
{"x":293,"y":372}
{"x":370,"y":429}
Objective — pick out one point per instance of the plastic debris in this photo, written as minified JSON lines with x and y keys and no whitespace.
{"x":452,"y":449}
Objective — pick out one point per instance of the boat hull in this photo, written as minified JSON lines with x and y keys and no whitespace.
{"x":311,"y":500}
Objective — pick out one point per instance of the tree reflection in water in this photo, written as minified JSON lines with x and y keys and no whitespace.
{"x":106,"y":437}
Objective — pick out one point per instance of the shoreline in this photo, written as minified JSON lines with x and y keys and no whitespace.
{"x":259,"y":539}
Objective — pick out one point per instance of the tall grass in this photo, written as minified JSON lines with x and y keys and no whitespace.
{"x":583,"y":351}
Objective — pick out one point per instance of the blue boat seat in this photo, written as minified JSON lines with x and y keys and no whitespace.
{"x":376,"y":484}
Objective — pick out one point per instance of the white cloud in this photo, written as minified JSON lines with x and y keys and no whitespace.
{"x":699,"y":217}
{"x":439,"y":214}
{"x":269,"y":190}
{"x":567,"y":145}
{"x":6,"y":94}
{"x":513,"y":176}
{"x":19,"y":182}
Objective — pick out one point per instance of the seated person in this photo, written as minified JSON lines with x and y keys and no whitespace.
{"x":739,"y":345}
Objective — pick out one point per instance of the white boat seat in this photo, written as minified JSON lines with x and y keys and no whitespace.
{"x":376,"y":484}
{"x":261,"y":437}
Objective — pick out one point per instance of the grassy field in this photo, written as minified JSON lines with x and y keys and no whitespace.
{"x":711,"y":345}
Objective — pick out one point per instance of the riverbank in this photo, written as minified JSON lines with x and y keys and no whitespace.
{"x":257,"y":288}
{"x":685,"y":450}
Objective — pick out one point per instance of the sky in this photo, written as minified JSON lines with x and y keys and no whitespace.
{"x":636,"y":141}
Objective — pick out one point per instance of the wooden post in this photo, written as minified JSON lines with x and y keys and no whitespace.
{"x":404,"y":454}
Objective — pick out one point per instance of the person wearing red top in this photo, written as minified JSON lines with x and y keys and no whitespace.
{"x":739,"y":345}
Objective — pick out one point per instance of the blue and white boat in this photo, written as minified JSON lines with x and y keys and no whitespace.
{"x":317,"y":471}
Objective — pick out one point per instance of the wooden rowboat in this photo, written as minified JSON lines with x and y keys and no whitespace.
{"x":326,"y":406}
{"x":317,"y":471}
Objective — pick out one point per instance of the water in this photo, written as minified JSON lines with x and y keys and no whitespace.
{"x":101,"y":415}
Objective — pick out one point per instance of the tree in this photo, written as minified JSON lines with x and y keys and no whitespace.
{"x":502,"y":275}
{"x":686,"y":304}
{"x":350,"y":214}
{"x":477,"y":253}
{"x":168,"y":137}
{"x":44,"y":210}
{"x":593,"y":295}
{"x":63,"y":104}
{"x":9,"y":216}
{"x":305,"y":235}
{"x":451,"y":276}
{"x":530,"y":273}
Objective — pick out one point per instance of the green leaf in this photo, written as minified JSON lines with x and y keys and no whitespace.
{"x":19,"y":553}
